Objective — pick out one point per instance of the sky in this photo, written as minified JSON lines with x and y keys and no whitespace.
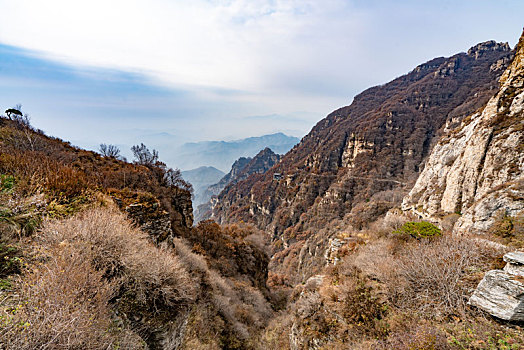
{"x":165,"y":72}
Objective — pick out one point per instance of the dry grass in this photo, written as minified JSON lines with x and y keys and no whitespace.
{"x":117,"y":249}
{"x":242,"y":306}
{"x":434,"y":277}
{"x":78,"y":268}
{"x":393,"y":293}
{"x":64,"y":304}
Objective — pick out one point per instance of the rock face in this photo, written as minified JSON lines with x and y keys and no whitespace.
{"x":376,"y":144}
{"x":501,"y":293}
{"x":151,"y":219}
{"x":148,"y":213}
{"x":477,"y":168}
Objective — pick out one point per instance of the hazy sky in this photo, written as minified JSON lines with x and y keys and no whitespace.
{"x":159,"y":71}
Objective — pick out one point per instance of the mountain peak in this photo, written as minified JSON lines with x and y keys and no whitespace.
{"x":476,"y":169}
{"x":266,"y":151}
{"x":478,"y":50}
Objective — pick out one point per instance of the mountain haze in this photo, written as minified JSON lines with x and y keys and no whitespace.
{"x":242,"y":168}
{"x":222,"y":154}
{"x":397,"y":222}
{"x":201,"y":178}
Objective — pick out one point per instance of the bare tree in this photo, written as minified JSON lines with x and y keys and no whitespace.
{"x":173,"y":177}
{"x":22,"y":123}
{"x":143,"y":156}
{"x":111,"y":151}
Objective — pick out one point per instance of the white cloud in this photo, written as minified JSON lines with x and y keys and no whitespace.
{"x":229,"y":44}
{"x":252,"y":45}
{"x":238,"y":58}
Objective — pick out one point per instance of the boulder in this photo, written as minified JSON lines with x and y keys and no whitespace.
{"x":515,"y":263}
{"x":501,"y":292}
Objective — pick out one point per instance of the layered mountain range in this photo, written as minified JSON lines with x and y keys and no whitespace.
{"x":201,"y":178}
{"x":241,"y":169}
{"x":360,"y":161}
{"x":221,"y":154}
{"x":353,"y":261}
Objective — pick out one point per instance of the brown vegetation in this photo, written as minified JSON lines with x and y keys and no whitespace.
{"x":76,"y":273}
{"x":79,"y":272}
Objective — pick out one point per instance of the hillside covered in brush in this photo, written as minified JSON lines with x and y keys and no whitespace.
{"x":99,"y":253}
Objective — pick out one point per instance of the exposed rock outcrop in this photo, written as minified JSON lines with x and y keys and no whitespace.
{"x":501,"y":292}
{"x":236,"y":169}
{"x":148,"y":213}
{"x":477,"y":169}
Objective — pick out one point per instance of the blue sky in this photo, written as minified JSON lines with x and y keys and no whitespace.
{"x":167,"y":72}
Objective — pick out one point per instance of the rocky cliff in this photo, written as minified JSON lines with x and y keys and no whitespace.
{"x":476,"y":169}
{"x":236,"y":169}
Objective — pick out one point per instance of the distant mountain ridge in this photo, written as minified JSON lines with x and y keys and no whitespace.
{"x":201,"y":178}
{"x":242,"y":168}
{"x":222,"y":154}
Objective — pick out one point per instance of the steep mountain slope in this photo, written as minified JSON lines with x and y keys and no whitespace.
{"x":221,"y":154}
{"x":236,"y":169}
{"x":359,"y":161}
{"x":477,"y":169}
{"x":241,"y":170}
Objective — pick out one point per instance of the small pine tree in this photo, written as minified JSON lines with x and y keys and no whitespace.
{"x":422,"y":229}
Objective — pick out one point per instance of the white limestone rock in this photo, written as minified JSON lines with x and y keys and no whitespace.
{"x":514,"y":258}
{"x":515,"y":263}
{"x":500,"y":294}
{"x":477,"y":170}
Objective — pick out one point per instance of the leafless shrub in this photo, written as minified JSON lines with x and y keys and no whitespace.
{"x":63,"y":304}
{"x":143,"y":155}
{"x":421,"y":336}
{"x":232,"y":300}
{"x":118,"y":249}
{"x":439,"y":274}
{"x":391,"y":222}
{"x":194,"y":263}
{"x":376,"y":260}
{"x":84,"y":267}
{"x":276,"y":334}
{"x":111,"y":151}
{"x":173,"y":177}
